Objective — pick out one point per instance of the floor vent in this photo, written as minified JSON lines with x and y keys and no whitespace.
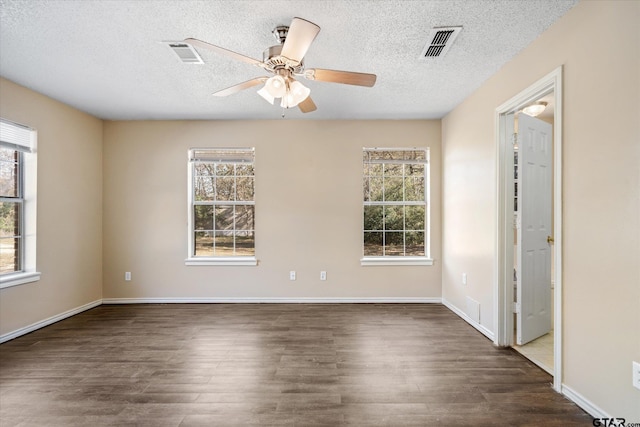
{"x":440,"y":41}
{"x":185,"y":52}
{"x":473,"y":310}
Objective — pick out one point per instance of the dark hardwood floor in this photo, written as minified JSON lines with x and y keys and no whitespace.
{"x":272,"y":364}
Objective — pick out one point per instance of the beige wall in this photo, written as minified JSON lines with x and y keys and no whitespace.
{"x":308,"y":210}
{"x":598,"y":43}
{"x":69,"y":209}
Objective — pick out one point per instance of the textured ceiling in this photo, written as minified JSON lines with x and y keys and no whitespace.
{"x":105,"y":57}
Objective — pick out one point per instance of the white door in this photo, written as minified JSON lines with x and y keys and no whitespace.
{"x":534,"y":228}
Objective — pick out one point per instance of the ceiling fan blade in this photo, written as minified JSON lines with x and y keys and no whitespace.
{"x":307,"y":105}
{"x":241,"y":86}
{"x":299,"y":38}
{"x":344,"y":77}
{"x":223,"y":51}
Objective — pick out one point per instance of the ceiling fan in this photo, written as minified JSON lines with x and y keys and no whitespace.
{"x":285,"y":62}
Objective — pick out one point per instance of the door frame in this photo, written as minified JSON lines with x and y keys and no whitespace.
{"x":503,"y":291}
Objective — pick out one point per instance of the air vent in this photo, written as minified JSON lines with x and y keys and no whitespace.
{"x":185,"y":52}
{"x":440,"y":41}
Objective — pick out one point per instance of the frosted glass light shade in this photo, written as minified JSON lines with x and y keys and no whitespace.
{"x":266,"y":95}
{"x":299,"y":92}
{"x":276,"y":86}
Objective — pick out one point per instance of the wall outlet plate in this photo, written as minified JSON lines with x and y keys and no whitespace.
{"x":292,"y":275}
{"x":636,"y":375}
{"x":323,"y":275}
{"x":127,"y":276}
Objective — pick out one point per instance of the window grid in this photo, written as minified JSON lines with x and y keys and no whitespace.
{"x":381,"y":169}
{"x":11,"y":211}
{"x":223,"y":211}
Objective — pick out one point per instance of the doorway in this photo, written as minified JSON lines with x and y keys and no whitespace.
{"x":533,"y":231}
{"x":550,"y":88}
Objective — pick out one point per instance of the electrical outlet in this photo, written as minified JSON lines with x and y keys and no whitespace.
{"x":127,"y":276}
{"x":636,"y":375}
{"x":464,"y":279}
{"x":323,"y":275}
{"x":292,"y":275}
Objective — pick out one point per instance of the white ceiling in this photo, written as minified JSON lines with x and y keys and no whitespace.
{"x":105,"y":57}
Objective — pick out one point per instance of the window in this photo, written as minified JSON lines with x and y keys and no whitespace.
{"x":395,"y":190}
{"x":17,"y":204}
{"x":222,"y":207}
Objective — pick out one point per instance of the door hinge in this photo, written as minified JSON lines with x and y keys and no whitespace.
{"x":516,"y":307}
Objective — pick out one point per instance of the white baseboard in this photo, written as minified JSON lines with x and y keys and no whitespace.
{"x":584,"y":403}
{"x":276,"y":300}
{"x":484,"y":331}
{"x":46,"y":322}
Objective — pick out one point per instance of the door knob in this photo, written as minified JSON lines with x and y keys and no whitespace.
{"x":549,"y":239}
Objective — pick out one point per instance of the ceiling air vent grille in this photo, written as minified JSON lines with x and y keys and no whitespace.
{"x":185,"y":52}
{"x":440,"y":41}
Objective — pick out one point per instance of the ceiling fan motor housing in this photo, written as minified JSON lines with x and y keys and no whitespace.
{"x":274,"y":61}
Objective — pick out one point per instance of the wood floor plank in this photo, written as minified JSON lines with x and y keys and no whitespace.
{"x":271,"y":364}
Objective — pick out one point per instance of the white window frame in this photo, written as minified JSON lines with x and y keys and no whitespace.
{"x":192,"y":260}
{"x":403,"y":260}
{"x":24,"y":140}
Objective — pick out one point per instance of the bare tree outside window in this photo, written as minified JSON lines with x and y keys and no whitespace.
{"x":223,"y":203}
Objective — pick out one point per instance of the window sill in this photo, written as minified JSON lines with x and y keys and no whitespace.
{"x":373,"y":260}
{"x":18,"y":279}
{"x":242,"y":261}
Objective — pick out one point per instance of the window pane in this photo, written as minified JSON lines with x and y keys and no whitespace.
{"x":415,"y":155}
{"x":204,"y":188}
{"x":244,"y":188}
{"x":414,"y":243}
{"x":8,"y":177}
{"x":245,"y":243}
{"x":224,"y":169}
{"x":203,"y":217}
{"x":375,"y":189}
{"x":224,"y":218}
{"x":365,"y":189}
{"x":225,"y":188}
{"x":375,"y":169}
{"x":393,"y":189}
{"x":394,"y":217}
{"x":414,"y":189}
{"x":414,"y":170}
{"x":393,"y":155}
{"x":392,"y":170}
{"x":243,"y":169}
{"x":373,"y":243}
{"x":373,"y":218}
{"x":203,"y":243}
{"x":394,"y":243}
{"x":204,"y":169}
{"x":224,"y":243}
{"x":245,"y":218}
{"x":10,"y":219}
{"x":414,"y":219}
{"x":10,"y":255}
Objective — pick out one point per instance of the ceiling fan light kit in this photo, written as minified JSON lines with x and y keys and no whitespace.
{"x":285,"y":62}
